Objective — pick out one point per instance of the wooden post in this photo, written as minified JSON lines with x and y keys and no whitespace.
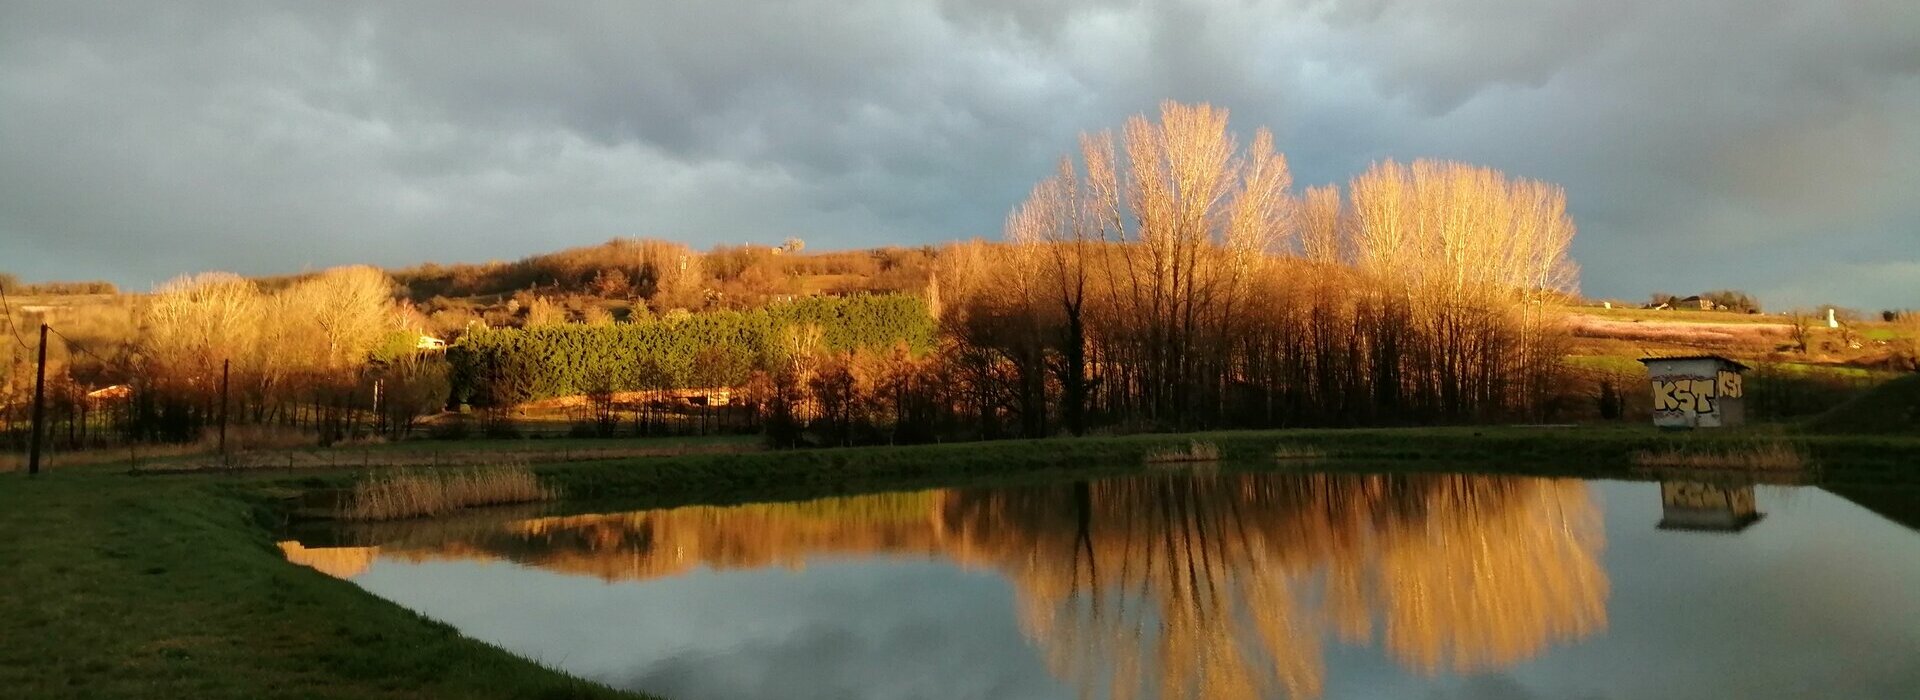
{"x":226,"y":367}
{"x":39,"y":405}
{"x":379,"y":419}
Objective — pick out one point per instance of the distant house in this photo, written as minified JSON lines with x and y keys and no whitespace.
{"x":117,"y":392}
{"x":1695,"y":302}
{"x":718,"y":396}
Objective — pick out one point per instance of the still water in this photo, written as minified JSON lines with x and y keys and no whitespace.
{"x":1189,"y":586}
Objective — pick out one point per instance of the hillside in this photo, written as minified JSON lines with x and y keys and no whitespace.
{"x":1802,"y":367}
{"x":624,"y":277}
{"x":1890,"y":408}
{"x":1836,"y":365}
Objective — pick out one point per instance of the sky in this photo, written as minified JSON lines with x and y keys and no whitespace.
{"x":1766,"y":145}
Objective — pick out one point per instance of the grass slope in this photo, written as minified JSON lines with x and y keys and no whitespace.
{"x":119,"y":586}
{"x":1890,"y":408}
{"x":1593,"y":452}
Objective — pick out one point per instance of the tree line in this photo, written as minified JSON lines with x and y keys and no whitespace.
{"x":12,"y":285}
{"x":1165,"y":277}
{"x":331,"y":352}
{"x":1168,"y":278}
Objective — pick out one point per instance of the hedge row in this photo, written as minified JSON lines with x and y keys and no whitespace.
{"x":503,"y":367}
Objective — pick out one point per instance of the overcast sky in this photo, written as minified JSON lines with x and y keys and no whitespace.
{"x":1771,"y":145}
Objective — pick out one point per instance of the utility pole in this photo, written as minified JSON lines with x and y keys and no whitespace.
{"x":379,"y":419}
{"x":226,"y":367}
{"x":39,"y":405}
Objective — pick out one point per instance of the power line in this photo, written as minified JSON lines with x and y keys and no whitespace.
{"x":6,"y":309}
{"x":72,"y":345}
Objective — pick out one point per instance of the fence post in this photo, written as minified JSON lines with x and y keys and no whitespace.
{"x":226,"y":366}
{"x":39,"y":405}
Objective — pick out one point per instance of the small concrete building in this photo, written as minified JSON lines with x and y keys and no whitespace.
{"x":1696,"y":391}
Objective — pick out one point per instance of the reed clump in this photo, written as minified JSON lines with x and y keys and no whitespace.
{"x":1193,"y":451}
{"x":1293,"y":452}
{"x":1772,"y":457}
{"x":413,"y":494}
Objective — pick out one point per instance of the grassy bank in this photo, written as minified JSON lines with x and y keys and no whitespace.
{"x":1865,"y":461}
{"x":120,"y":585}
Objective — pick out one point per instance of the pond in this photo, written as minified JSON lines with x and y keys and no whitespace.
{"x":1188,"y":585}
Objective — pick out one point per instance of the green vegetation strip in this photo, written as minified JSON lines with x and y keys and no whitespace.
{"x":170,"y":586}
{"x":1546,"y":451}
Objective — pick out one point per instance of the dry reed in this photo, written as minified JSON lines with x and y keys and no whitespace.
{"x":1768,"y":457}
{"x":1286,"y":452}
{"x":413,"y":494}
{"x":1193,"y":451}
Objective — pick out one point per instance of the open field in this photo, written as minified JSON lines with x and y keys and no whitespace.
{"x":125,"y":585}
{"x":1692,"y":334}
{"x":1679,"y":315}
{"x":1633,"y":332}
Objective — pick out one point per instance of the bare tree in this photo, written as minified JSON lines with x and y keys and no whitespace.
{"x":1319,"y":225}
{"x":350,"y":308}
{"x":1055,"y":230}
{"x":196,"y":322}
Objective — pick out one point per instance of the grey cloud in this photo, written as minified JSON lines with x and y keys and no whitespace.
{"x":1761,"y":144}
{"x":837,"y":663}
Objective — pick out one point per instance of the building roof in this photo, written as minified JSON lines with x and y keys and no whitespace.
{"x":1717,"y":523}
{"x":1727,"y":360}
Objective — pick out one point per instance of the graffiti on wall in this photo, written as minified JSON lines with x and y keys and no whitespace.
{"x":1694,"y":394}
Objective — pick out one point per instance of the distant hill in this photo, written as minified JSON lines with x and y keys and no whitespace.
{"x":739,"y":275}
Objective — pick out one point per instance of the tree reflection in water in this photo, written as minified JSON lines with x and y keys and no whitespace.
{"x":1188,"y":587}
{"x":1172,"y":586}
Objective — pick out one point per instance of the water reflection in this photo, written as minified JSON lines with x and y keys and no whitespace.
{"x":1172,"y":586}
{"x":1707,"y":506}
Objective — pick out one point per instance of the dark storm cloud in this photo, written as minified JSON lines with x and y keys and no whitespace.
{"x":1764,"y":144}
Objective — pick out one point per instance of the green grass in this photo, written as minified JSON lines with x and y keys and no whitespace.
{"x":1583,"y":451}
{"x":1631,"y":364}
{"x":1807,"y":368}
{"x":170,"y":586}
{"x":1890,"y":408}
{"x":1620,"y":364}
{"x":121,"y":586}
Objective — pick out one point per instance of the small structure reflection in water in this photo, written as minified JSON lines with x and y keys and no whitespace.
{"x":1707,"y":507}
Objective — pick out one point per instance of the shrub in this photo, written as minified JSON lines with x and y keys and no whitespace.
{"x":506,"y":367}
{"x":1193,"y":451}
